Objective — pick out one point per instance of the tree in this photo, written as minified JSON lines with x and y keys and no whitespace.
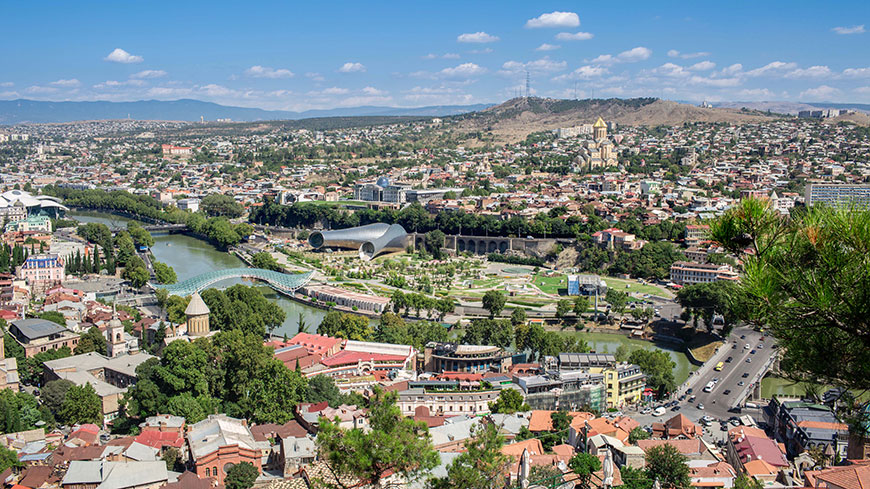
{"x":807,"y":280}
{"x":54,"y":392}
{"x":493,"y":301}
{"x":584,"y":465}
{"x":658,"y":367}
{"x":495,"y":332}
{"x":164,"y":273}
{"x":744,"y":482}
{"x":81,"y":404}
{"x":581,"y":304}
{"x":622,"y":353}
{"x":563,"y":307}
{"x":434,"y":242}
{"x":346,"y":325}
{"x":637,"y":433}
{"x":54,"y":317}
{"x":265,"y":261}
{"x":617,"y":300}
{"x":173,"y":459}
{"x":635,"y":478}
{"x":482,"y":465}
{"x":394,"y":444}
{"x":221,"y":205}
{"x":669,"y":466}
{"x":241,"y":476}
{"x":322,"y":388}
{"x":719,"y":297}
{"x":518,"y":316}
{"x":509,"y":401}
{"x":92,"y":340}
{"x":9,"y":459}
{"x":136,"y":275}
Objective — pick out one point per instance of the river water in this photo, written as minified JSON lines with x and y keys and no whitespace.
{"x":190,"y":256}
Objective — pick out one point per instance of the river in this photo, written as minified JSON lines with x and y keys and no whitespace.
{"x":190,"y":256}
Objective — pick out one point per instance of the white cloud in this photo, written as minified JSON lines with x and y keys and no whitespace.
{"x":771,"y":68}
{"x":672,"y":70}
{"x":543,"y":65}
{"x":863,"y":90}
{"x":714,"y":82}
{"x":733,"y":69}
{"x":121,"y":56}
{"x":481,"y":51}
{"x":673,"y":53}
{"x":314,"y":76}
{"x":465,"y":70}
{"x":819,"y":93}
{"x":811,"y":72}
{"x":6,"y":84}
{"x":437,"y":95}
{"x":352,"y":68}
{"x":756,"y":94}
{"x":442,"y":56}
{"x":554,"y":19}
{"x":703,"y":66}
{"x":578,"y":36}
{"x":374,"y":91}
{"x":38,"y":89}
{"x":639,"y":53}
{"x":857,"y":72}
{"x":587,"y":72}
{"x":116,"y":84}
{"x":258,"y":71}
{"x":603,"y":59}
{"x":477,"y":37}
{"x":72,"y":82}
{"x":149,"y":74}
{"x":855,"y":29}
{"x":547,"y":47}
{"x":330,"y":91}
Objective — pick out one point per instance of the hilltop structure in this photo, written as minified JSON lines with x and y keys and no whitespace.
{"x":597,"y":152}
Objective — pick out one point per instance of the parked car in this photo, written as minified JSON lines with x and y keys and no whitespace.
{"x":689,"y":391}
{"x":745,"y":374}
{"x":701,"y":406}
{"x":692,"y":399}
{"x":728,"y":360}
{"x":727,"y":391}
{"x":741,"y":383}
{"x":748,"y":360}
{"x":752,"y":352}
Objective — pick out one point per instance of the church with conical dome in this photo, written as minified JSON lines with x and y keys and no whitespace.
{"x":599,"y":152}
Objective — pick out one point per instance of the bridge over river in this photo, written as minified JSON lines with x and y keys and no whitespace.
{"x":286,"y":283}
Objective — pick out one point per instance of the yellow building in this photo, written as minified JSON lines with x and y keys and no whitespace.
{"x":624,"y":383}
{"x":197,"y":316}
{"x":598,"y":152}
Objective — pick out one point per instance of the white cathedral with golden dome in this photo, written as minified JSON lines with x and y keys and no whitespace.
{"x":598,"y":152}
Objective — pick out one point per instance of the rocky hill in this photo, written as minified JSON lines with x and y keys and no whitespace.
{"x":516,"y":118}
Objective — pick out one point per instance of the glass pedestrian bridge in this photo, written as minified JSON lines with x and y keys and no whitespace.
{"x":287,"y":283}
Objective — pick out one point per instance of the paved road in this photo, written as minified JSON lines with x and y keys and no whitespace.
{"x":729,"y":378}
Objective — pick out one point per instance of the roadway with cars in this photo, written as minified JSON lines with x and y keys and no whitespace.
{"x":716,"y":403}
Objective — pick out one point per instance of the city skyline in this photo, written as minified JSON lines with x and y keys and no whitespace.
{"x":273,"y":56}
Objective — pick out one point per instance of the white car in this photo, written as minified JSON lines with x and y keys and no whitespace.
{"x":660,"y":411}
{"x":746,"y":346}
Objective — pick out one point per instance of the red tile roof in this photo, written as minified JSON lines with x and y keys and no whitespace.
{"x":346,"y":357}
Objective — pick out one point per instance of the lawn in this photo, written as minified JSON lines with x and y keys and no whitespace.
{"x":634,"y":286}
{"x":556,"y":285}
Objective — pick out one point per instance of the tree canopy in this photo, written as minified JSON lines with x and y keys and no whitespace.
{"x":346,"y":325}
{"x":393,"y":444}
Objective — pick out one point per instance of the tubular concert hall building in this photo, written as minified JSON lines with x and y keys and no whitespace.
{"x":371,"y":240}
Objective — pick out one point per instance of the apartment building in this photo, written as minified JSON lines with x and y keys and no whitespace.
{"x":835,"y":194}
{"x":690,"y":273}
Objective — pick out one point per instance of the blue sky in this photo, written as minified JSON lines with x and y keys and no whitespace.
{"x":324,"y":54}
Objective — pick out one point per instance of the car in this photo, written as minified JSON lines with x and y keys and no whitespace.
{"x":683,"y":397}
{"x":689,"y":391}
{"x":729,"y":359}
{"x":741,"y":383}
{"x":745,"y":375}
{"x":715,"y":380}
{"x":659,"y":411}
{"x":746,"y":346}
{"x":743,"y":337}
{"x":735,"y":422}
{"x":734,"y":346}
{"x":752,"y":352}
{"x":675,"y":408}
{"x":692,"y":399}
{"x":701,"y":405}
{"x":748,"y":360}
{"x":727,"y":391}
{"x":760,"y":346}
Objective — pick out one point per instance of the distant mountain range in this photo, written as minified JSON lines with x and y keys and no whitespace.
{"x":793,"y":108}
{"x":34,"y":111}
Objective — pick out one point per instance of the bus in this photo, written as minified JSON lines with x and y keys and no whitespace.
{"x":719,"y":366}
{"x":709,"y":386}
